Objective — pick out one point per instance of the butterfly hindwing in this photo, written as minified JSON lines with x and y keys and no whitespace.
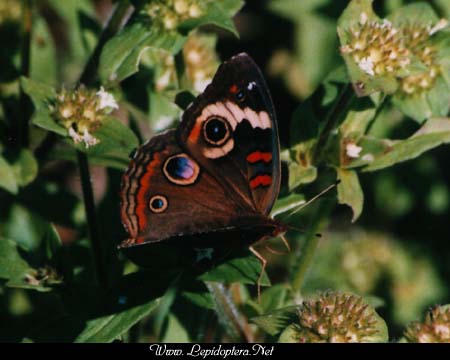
{"x":167,"y":194}
{"x":231,"y":131}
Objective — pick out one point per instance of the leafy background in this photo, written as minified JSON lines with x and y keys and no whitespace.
{"x":385,"y":229}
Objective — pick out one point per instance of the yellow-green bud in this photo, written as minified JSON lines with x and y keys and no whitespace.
{"x":336,"y":317}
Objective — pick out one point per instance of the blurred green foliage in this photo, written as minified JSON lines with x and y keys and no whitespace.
{"x":361,"y":89}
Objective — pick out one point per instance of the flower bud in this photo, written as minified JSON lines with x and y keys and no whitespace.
{"x":435,"y":328}
{"x":336,"y":317}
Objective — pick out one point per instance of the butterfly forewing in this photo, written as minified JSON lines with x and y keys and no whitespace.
{"x":231,"y":131}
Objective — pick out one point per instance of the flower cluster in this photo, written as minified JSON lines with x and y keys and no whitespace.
{"x":338,"y":317}
{"x":416,"y":38}
{"x":379,"y":48}
{"x":43,"y":276}
{"x":201,"y":61}
{"x":435,"y":328}
{"x":170,"y":13}
{"x":376,"y":47}
{"x":82,"y":111}
{"x":9,"y":11}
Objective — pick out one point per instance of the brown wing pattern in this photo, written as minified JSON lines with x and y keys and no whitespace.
{"x":165,"y":193}
{"x":231,"y":131}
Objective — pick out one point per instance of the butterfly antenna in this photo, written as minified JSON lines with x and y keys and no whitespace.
{"x":314,"y":198}
{"x":300,"y":230}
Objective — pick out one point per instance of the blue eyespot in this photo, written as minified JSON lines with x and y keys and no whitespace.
{"x":180,"y":168}
{"x":158,"y":203}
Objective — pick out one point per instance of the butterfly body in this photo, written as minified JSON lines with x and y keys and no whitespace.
{"x":211,"y":183}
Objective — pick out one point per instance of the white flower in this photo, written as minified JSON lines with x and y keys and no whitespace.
{"x":366,"y":64}
{"x":164,"y":80}
{"x":163,"y":122}
{"x":352,"y":150}
{"x":106,"y":100}
{"x":368,"y":157}
{"x":363,"y":18}
{"x":438,"y":27}
{"x":75,"y":136}
{"x":386,"y":24}
{"x":88,"y":139}
{"x":194,"y":57}
{"x":201,"y":84}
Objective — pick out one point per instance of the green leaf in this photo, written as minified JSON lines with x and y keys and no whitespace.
{"x":214,"y":14}
{"x":15,"y":269}
{"x":421,"y":106}
{"x":111,"y":327}
{"x":41,"y":95}
{"x":39,"y":92}
{"x":43,"y":119}
{"x":350,"y":192}
{"x":12,"y":264}
{"x":289,"y":335}
{"x":116,"y":142}
{"x":25,"y":228}
{"x":299,"y":175}
{"x":175,"y":332}
{"x":231,"y":7}
{"x":43,"y":63}
{"x":51,"y":242}
{"x":121,"y":55}
{"x":433,"y":133}
{"x":202,"y":299}
{"x":357,"y":119}
{"x":417,"y":14}
{"x":274,"y":297}
{"x":245,"y":270}
{"x":371,"y":149}
{"x":287,"y":203}
{"x":25,"y":167}
{"x":8,"y":179}
{"x":274,"y":322}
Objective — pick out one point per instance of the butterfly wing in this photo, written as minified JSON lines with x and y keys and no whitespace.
{"x":231,"y":131}
{"x":167,"y":194}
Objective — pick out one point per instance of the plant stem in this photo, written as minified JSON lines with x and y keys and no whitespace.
{"x":378,"y":111}
{"x":232,"y":321}
{"x":180,"y":67}
{"x":87,"y":77}
{"x":113,"y":25}
{"x":24,"y":101}
{"x":310,"y":246}
{"x":333,"y":116}
{"x":89,"y":207}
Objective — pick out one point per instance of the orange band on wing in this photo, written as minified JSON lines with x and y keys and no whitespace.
{"x":142,"y":203}
{"x":261,"y":180}
{"x":259,"y":156}
{"x":195,"y":133}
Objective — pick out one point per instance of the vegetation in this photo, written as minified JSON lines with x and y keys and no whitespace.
{"x":362,"y":93}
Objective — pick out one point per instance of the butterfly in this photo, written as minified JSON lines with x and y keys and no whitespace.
{"x":209,"y":185}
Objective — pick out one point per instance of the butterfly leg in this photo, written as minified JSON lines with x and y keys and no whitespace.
{"x":285,"y":242}
{"x":263,"y":263}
